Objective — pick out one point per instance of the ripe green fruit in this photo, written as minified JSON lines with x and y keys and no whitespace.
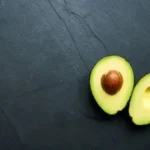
{"x":139,"y":106}
{"x":111,"y":83}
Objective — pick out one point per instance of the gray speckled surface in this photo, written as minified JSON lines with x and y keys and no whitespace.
{"x":47,"y":49}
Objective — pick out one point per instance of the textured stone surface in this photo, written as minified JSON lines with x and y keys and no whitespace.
{"x":47,"y":49}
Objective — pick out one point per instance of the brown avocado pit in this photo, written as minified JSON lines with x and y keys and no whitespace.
{"x":111,"y":82}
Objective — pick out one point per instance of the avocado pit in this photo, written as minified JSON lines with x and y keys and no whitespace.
{"x":111,"y":82}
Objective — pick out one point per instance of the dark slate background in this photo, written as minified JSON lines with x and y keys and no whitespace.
{"x":47,"y":49}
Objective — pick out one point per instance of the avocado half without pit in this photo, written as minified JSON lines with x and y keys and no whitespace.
{"x":111,"y":83}
{"x":139,"y":106}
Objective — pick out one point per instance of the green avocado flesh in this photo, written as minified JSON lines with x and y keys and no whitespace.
{"x":111,"y":104}
{"x":139,"y":106}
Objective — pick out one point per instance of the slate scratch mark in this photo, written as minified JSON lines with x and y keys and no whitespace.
{"x":94,"y":118}
{"x":3,"y":39}
{"x":65,"y":1}
{"x":69,"y":34}
{"x":92,"y":32}
{"x":1,"y":3}
{"x":114,"y":21}
{"x":48,"y":87}
{"x":40,"y":89}
{"x":10,"y":123}
{"x":40,"y":9}
{"x":140,"y":4}
{"x":115,"y":4}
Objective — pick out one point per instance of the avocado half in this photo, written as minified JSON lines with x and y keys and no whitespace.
{"x":139,"y":106}
{"x":111,"y":83}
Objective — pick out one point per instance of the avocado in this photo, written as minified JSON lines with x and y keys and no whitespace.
{"x":111,"y":83}
{"x":139,"y":105}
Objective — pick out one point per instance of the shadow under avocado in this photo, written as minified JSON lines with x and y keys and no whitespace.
{"x":88,"y":105}
{"x":124,"y":114}
{"x":95,"y":112}
{"x":99,"y":113}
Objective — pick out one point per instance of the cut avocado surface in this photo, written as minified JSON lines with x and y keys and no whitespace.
{"x":111,"y":83}
{"x":139,"y":106}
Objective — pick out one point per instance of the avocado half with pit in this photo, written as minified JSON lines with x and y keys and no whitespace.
{"x":139,"y":106}
{"x":111,"y":83}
